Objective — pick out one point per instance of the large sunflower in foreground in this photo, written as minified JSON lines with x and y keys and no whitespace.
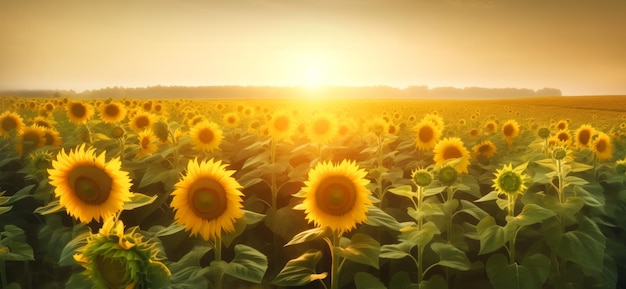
{"x":602,"y":147}
{"x":206,"y":136}
{"x":335,"y":196}
{"x":112,"y":112}
{"x":207,"y":200}
{"x":510,"y":130}
{"x":78,"y":112}
{"x":10,"y":121}
{"x":322,"y":128}
{"x":452,"y":148}
{"x":426,"y":135}
{"x":87,"y":186}
{"x":115,"y":259}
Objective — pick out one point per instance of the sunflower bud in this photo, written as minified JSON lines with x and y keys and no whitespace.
{"x":117,"y":132}
{"x":544,"y":133}
{"x":620,"y":167}
{"x":422,"y":178}
{"x":160,"y":130}
{"x":447,"y":175}
{"x":559,"y":153}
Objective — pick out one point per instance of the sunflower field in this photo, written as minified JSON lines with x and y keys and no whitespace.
{"x":260,"y":193}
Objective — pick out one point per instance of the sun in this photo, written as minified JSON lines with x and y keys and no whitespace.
{"x":313,"y":71}
{"x":313,"y":77}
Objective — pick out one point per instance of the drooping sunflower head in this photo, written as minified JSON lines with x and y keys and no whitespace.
{"x":88,"y":187}
{"x":335,"y":196}
{"x":281,"y":125}
{"x":78,"y":112}
{"x":543,"y":133}
{"x":206,"y":136}
{"x":378,"y":126}
{"x":490,"y":127}
{"x":422,"y":177}
{"x":509,"y":180}
{"x":117,"y":132}
{"x":141,"y":121}
{"x":486,"y":149}
{"x":602,"y":147}
{"x":147,"y":144}
{"x":447,"y":175}
{"x":560,"y":152}
{"x":583,"y":135}
{"x":117,"y":259}
{"x":30,"y":138}
{"x":10,"y":121}
{"x":510,"y":130}
{"x":620,"y":167}
{"x":112,"y":112}
{"x":231,"y":119}
{"x":452,"y":148}
{"x":426,"y":135}
{"x":161,"y":130}
{"x":322,"y":128}
{"x":207,"y":200}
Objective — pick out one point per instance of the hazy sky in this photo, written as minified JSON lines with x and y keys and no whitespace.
{"x":578,"y":46}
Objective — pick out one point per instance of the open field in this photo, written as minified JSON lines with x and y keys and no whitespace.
{"x":313,"y":193}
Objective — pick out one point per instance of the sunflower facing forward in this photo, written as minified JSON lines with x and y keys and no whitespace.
{"x":452,"y":148}
{"x":426,"y":135}
{"x":335,"y":196}
{"x":87,"y":186}
{"x":10,"y":121}
{"x":509,"y":180}
{"x":207,"y":200}
{"x":206,"y":136}
{"x":78,"y":112}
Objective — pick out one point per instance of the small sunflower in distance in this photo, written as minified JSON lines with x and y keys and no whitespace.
{"x":584,"y":135}
{"x":281,"y":125}
{"x":322,"y":128}
{"x":510,"y":130}
{"x":452,"y":148}
{"x":486,"y":149}
{"x":117,"y":259}
{"x":10,"y":121}
{"x":78,"y":112}
{"x":510,"y":181}
{"x":602,"y":147}
{"x":207,"y":200}
{"x":87,"y":186}
{"x":112,"y":112}
{"x":335,"y":196}
{"x":206,"y":136}
{"x":147,"y":144}
{"x":231,"y":119}
{"x":141,"y":121}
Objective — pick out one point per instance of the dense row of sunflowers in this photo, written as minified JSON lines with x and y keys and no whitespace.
{"x":121,"y":193}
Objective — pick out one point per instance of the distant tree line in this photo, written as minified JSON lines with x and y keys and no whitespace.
{"x":218,"y":92}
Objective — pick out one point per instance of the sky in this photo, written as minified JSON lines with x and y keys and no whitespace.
{"x":577,"y":46}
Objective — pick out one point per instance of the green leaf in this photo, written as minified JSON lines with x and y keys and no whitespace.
{"x":492,"y":236}
{"x":450,"y":256}
{"x":427,"y":209}
{"x":531,"y":214}
{"x":539,"y":266}
{"x":584,"y":246}
{"x":52,"y":207}
{"x":415,"y":236}
{"x":14,"y":238}
{"x":404,"y":191}
{"x":300,"y":271}
{"x":5,"y":209}
{"x":248,"y":265}
{"x":309,"y":235}
{"x":435,"y":282}
{"x":402,"y":280}
{"x":24,"y":192}
{"x":252,"y":217}
{"x":576,"y":167}
{"x":161,"y":231}
{"x":548,"y":163}
{"x":472,"y":210}
{"x":493,"y":195}
{"x":362,"y":249}
{"x":79,"y":281}
{"x":364,"y":280}
{"x":503,"y":275}
{"x":377,"y":217}
{"x":79,"y":240}
{"x":592,"y":197}
{"x":187,"y":272}
{"x":433,"y":191}
{"x":139,"y":200}
{"x":396,"y":251}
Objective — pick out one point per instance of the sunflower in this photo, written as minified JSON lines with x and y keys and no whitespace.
{"x":231,"y":119}
{"x":207,"y":200}
{"x":322,"y":128}
{"x":112,"y":112}
{"x":117,"y":259}
{"x":452,"y":148}
{"x":146,"y":143}
{"x":562,"y":124}
{"x":509,"y":180}
{"x":583,"y":136}
{"x":206,"y":136}
{"x":335,"y":196}
{"x":510,"y":130}
{"x":484,"y":149}
{"x":42,"y":122}
{"x":378,"y":126}
{"x":10,"y":121}
{"x":435,"y":119}
{"x":281,"y":125}
{"x":490,"y":127}
{"x":30,"y":138}
{"x":422,"y":177}
{"x":87,"y":186}
{"x":78,"y":112}
{"x":51,"y":137}
{"x":141,"y":121}
{"x":602,"y":147}
{"x":564,"y":137}
{"x":426,"y":135}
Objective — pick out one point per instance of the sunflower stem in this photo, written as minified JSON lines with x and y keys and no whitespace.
{"x":334,"y":270}
{"x":218,"y":258}
{"x":272,"y":175}
{"x":3,"y":273}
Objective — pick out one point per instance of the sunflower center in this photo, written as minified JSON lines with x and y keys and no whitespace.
{"x":321,"y":126}
{"x":112,"y":110}
{"x":336,"y":195}
{"x":426,"y":134}
{"x":510,"y":182}
{"x":232,"y":120}
{"x":451,"y":152}
{"x":508,"y":130}
{"x":485,"y":148}
{"x":601,"y":146}
{"x":281,"y":123}
{"x":584,"y":136}
{"x":90,"y":184}
{"x":145,"y":142}
{"x":112,"y":271}
{"x":563,"y":137}
{"x":31,"y":139}
{"x":78,"y":110}
{"x":142,"y":121}
{"x":8,"y":124}
{"x":206,"y":135}
{"x":207,"y":198}
{"x":117,"y":132}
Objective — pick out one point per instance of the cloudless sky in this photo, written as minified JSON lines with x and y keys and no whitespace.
{"x":578,"y":46}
